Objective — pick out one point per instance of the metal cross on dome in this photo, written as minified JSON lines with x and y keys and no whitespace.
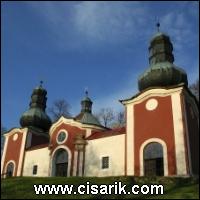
{"x":158,"y":26}
{"x":41,"y":82}
{"x":157,"y":23}
{"x":86,"y":91}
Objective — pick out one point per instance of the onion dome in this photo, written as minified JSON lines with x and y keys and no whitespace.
{"x":162,"y":72}
{"x":86,"y":116}
{"x":36,"y":117}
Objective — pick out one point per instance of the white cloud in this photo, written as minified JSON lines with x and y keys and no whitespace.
{"x":110,"y":21}
{"x":93,"y":22}
{"x":81,"y":24}
{"x":184,"y":38}
{"x":73,"y":25}
{"x":179,"y":28}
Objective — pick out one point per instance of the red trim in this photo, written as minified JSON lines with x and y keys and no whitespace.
{"x":107,"y":133}
{"x":13,"y":151}
{"x":158,"y":124}
{"x":72,"y":132}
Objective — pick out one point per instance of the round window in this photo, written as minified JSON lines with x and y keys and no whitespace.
{"x":15,"y":137}
{"x":151,"y":104}
{"x":61,"y":137}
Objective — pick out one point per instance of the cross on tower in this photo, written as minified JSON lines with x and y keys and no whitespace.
{"x":41,"y":82}
{"x":158,"y":26}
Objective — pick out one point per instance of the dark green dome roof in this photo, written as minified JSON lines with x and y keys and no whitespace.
{"x":162,"y":74}
{"x":162,"y":71}
{"x":36,"y":115}
{"x":87,"y":99}
{"x":86,"y":116}
{"x":40,"y":90}
{"x":159,"y":35}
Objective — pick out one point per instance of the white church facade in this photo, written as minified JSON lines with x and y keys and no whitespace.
{"x":160,"y":138}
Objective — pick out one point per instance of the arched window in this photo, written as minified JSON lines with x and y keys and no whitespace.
{"x":10,"y":170}
{"x":153,"y":159}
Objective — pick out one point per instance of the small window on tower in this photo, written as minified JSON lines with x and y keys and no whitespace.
{"x":105,"y":162}
{"x":35,"y":169}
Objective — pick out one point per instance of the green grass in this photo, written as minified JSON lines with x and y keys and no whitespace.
{"x":174,"y":188}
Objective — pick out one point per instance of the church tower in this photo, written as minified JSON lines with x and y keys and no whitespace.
{"x":35,"y":117}
{"x":162,"y":71}
{"x":35,"y":125}
{"x":162,"y":119}
{"x":86,"y":116}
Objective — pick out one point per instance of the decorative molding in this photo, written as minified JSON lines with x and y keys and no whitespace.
{"x":151,"y":104}
{"x":14,"y":168}
{"x":130,"y":140}
{"x":69,"y":159}
{"x":72,"y":122}
{"x":184,"y":113}
{"x":66,"y":136}
{"x":22,"y":152}
{"x":179,"y":134}
{"x":80,"y":163}
{"x":151,"y":93}
{"x":75,"y":163}
{"x":15,"y":137}
{"x":14,"y":130}
{"x":165,"y":156}
{"x":4,"y":154}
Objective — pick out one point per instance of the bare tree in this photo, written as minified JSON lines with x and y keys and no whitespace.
{"x":105,"y":116}
{"x":59,"y":108}
{"x":119,"y":120}
{"x":194,"y":88}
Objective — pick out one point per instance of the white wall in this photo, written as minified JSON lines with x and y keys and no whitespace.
{"x":39,"y":157}
{"x":114,"y":147}
{"x":179,"y":134}
{"x":130,"y":139}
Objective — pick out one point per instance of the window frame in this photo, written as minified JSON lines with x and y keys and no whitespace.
{"x":66,"y":136}
{"x":35,"y":169}
{"x":102,"y":163}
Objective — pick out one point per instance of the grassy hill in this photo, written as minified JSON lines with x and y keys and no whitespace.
{"x":174,"y":188}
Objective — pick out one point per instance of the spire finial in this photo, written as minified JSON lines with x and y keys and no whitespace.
{"x":86,"y":92}
{"x":158,"y":26}
{"x":41,"y":82}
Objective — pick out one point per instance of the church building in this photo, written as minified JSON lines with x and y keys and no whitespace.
{"x":160,"y":138}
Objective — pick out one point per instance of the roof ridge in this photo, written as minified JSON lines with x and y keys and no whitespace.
{"x":111,"y":132}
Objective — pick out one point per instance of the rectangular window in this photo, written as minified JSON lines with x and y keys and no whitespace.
{"x":35,"y":169}
{"x":105,"y":162}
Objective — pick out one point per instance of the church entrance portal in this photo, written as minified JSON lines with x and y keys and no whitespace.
{"x":153,"y":160}
{"x":10,"y":169}
{"x":60,"y":163}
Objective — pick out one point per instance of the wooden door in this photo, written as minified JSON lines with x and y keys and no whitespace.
{"x":61,"y":169}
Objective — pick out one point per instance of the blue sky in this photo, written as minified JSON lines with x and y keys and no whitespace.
{"x":99,"y":45}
